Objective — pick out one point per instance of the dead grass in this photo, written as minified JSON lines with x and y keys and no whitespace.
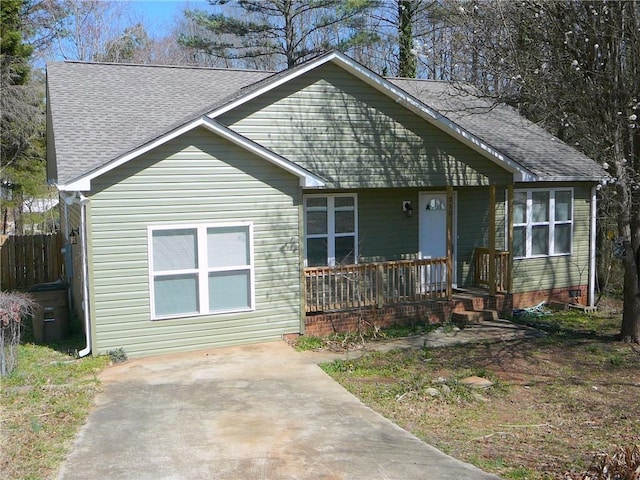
{"x":44,"y":402}
{"x":557,"y":401}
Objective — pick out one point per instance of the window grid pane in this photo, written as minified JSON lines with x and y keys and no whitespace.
{"x":520,"y":207}
{"x":227,"y":246}
{"x":345,"y":250}
{"x":519,"y":241}
{"x":562,"y":238}
{"x":540,"y":240}
{"x":229,"y":290}
{"x":317,"y":222}
{"x":176,"y":294}
{"x":540,"y":207}
{"x":542,"y":222}
{"x":344,"y":202}
{"x":317,"y":202}
{"x":345,"y":222}
{"x":317,"y":251}
{"x":562,"y":206}
{"x":175,"y":249}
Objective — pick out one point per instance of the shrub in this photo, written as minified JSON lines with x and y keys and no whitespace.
{"x":15,"y":307}
{"x":623,"y":464}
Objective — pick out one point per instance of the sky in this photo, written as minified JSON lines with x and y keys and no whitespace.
{"x":160,"y":14}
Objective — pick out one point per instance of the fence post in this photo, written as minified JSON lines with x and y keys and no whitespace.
{"x":380,"y":286}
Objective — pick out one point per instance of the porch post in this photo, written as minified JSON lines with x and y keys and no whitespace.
{"x":449,"y":242}
{"x":492,"y":239}
{"x":510,"y":238}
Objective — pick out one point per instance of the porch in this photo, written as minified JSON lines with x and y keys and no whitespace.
{"x":381,"y":294}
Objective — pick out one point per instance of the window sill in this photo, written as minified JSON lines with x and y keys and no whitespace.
{"x":197,"y":314}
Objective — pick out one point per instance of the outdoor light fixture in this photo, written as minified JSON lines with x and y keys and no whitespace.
{"x":73,"y":236}
{"x":407,"y":208}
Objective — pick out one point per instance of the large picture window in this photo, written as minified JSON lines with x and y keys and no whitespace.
{"x":542,"y":222}
{"x":195,"y":270}
{"x":331,"y":229}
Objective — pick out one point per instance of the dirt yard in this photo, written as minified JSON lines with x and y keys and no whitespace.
{"x":557,"y":401}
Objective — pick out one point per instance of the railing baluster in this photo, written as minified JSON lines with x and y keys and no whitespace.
{"x":379,"y":283}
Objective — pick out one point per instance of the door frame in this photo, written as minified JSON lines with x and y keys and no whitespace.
{"x":454,"y":234}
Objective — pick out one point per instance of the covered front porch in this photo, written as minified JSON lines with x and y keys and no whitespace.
{"x":380,"y":294}
{"x":457,"y":234}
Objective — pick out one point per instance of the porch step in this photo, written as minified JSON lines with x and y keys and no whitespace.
{"x":479,"y":300}
{"x":465,"y":317}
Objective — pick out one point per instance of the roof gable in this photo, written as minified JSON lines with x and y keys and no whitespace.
{"x":307,"y":179}
{"x":354,"y":136}
{"x":388,"y":88}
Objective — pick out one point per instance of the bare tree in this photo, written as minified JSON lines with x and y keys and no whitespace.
{"x":277,"y":31}
{"x":574,"y":67}
{"x":81,"y":29}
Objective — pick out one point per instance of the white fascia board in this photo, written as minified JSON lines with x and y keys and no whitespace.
{"x":270,"y":85}
{"x":307,"y":179}
{"x":520,"y":174}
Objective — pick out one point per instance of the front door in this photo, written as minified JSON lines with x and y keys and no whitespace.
{"x":433,"y":236}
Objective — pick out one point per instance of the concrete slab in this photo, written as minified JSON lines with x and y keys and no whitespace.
{"x":253,"y":412}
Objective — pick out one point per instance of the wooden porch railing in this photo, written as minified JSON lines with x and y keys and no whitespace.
{"x":483,"y":271}
{"x":380,"y":283}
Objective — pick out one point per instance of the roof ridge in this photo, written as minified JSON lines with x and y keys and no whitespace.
{"x":154,"y":65}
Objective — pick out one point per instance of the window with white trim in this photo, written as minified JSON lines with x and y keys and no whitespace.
{"x":542,"y":222}
{"x":201,"y":269}
{"x":331,"y":236}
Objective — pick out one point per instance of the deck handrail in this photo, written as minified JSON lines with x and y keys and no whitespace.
{"x":378,"y":283}
{"x":483,"y":270}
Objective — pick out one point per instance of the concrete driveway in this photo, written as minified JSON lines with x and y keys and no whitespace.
{"x":252,"y":412}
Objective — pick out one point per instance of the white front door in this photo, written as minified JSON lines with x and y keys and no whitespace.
{"x":433,"y":234}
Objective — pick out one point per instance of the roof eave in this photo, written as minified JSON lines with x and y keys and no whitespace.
{"x":574,"y":178}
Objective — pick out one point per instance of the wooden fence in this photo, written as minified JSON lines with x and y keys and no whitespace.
{"x":381,"y":283}
{"x":26,"y":260}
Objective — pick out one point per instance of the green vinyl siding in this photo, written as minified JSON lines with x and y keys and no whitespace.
{"x":472,"y":229}
{"x":531,"y":274}
{"x":198,"y":178}
{"x":385,"y":232}
{"x":354,"y":136}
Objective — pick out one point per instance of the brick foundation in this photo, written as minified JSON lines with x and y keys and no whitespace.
{"x":433,"y":311}
{"x":323,"y":324}
{"x":562,"y":295}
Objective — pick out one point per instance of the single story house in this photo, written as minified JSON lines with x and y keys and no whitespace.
{"x":207,"y":207}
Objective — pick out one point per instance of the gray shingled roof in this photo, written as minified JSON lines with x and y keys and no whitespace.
{"x":102,"y":111}
{"x":504,"y":129}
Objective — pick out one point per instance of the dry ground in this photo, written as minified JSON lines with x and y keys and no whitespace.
{"x":557,"y":400}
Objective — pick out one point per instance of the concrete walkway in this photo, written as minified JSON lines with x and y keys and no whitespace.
{"x":253,"y":412}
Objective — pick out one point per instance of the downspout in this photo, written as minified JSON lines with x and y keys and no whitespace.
{"x":85,"y":276}
{"x":592,"y":249}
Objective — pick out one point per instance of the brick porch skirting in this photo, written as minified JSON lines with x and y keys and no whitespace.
{"x":431,"y":311}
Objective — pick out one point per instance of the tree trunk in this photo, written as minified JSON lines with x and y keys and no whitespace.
{"x":407,"y":60}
